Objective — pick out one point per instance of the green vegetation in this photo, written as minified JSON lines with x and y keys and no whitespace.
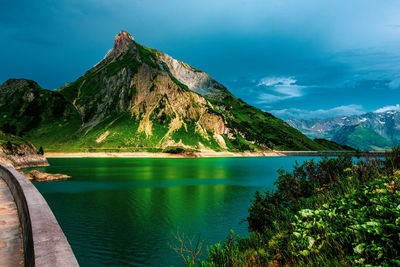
{"x":10,"y":143}
{"x":189,"y":136}
{"x":362,"y":138}
{"x":261,"y":127}
{"x":7,"y":139}
{"x":29,"y":107}
{"x":177,"y":150}
{"x":148,"y":55}
{"x":102,"y":111}
{"x":329,"y":213}
{"x":331,"y":145}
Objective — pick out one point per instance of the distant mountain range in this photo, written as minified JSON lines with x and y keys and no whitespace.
{"x":370,"y":131}
{"x":141,"y":99}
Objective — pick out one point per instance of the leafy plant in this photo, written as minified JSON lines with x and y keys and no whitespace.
{"x":334,"y":212}
{"x":302,"y":183}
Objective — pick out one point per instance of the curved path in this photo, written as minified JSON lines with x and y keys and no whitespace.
{"x":11,"y":246}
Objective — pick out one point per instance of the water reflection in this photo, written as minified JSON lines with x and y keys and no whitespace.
{"x":123,"y":211}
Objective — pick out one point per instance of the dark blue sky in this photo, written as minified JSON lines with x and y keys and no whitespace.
{"x":300,"y":59}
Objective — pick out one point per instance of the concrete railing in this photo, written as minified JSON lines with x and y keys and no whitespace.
{"x":44,"y":242}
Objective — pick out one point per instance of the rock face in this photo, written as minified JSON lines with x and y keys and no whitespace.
{"x":18,"y":153}
{"x":368,"y":131}
{"x":139,"y":98}
{"x":198,"y":81}
{"x":40,"y":176}
{"x":24,"y":161}
{"x":123,"y":41}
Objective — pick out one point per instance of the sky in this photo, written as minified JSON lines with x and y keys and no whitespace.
{"x":295,"y":59}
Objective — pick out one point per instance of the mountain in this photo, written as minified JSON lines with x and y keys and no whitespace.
{"x":141,"y":99}
{"x":361,"y":137}
{"x":370,"y":131}
{"x":331,"y":145}
{"x":37,"y":114}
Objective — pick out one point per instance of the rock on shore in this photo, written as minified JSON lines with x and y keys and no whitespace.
{"x":40,"y":176}
{"x":23,"y":161}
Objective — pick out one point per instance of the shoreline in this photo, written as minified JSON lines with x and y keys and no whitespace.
{"x":161,"y":155}
{"x":207,"y":154}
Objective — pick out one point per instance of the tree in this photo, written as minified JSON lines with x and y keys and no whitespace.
{"x":40,"y":152}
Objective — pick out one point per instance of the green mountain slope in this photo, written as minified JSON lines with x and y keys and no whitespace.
{"x":331,"y":145}
{"x":140,"y":99}
{"x":19,"y":153}
{"x":42,"y":116}
{"x":9,"y":143}
{"x":362,"y":138}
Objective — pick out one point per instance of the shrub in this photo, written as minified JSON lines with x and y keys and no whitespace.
{"x":334,"y":212}
{"x":392,"y":161}
{"x":303,"y":182}
{"x":40,"y":151}
{"x":362,"y":225}
{"x":177,"y":150}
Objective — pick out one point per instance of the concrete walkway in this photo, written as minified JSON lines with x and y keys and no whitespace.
{"x":11,"y":246}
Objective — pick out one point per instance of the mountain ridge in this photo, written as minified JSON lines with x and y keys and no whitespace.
{"x":143,"y":99}
{"x":382,"y":130}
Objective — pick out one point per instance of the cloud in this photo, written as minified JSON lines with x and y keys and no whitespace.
{"x":319,"y":113}
{"x":387,"y":108}
{"x":278,"y":88}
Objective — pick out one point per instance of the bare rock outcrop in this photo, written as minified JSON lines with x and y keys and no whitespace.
{"x":23,"y":161}
{"x":19,"y":153}
{"x":40,"y":176}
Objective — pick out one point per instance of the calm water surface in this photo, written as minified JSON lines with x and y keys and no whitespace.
{"x":120,"y":212}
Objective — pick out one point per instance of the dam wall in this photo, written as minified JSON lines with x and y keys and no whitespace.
{"x":44,"y":242}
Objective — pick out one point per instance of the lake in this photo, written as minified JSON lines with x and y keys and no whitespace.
{"x":124,"y":211}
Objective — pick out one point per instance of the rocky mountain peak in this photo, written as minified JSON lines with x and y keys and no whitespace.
{"x":140,"y":98}
{"x":123,"y":41}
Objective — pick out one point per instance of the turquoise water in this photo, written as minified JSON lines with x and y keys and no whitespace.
{"x":119,"y":212}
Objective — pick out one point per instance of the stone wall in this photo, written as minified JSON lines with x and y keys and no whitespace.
{"x":44,"y":242}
